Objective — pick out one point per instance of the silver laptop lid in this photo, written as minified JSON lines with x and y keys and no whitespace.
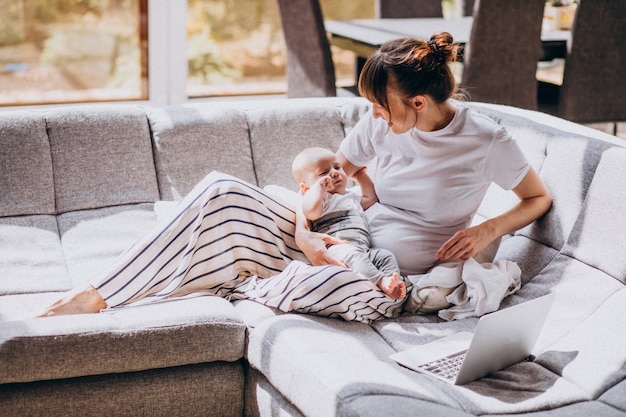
{"x":505,"y":337}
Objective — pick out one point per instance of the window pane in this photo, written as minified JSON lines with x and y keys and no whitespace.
{"x":234,"y":47}
{"x":237,"y":47}
{"x":344,"y":60}
{"x":60,"y":51}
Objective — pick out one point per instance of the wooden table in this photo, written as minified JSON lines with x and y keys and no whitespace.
{"x":364,"y":36}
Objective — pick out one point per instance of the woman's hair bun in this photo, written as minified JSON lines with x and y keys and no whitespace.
{"x":442,"y":44}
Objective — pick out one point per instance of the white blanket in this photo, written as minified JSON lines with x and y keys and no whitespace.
{"x":463,"y":288}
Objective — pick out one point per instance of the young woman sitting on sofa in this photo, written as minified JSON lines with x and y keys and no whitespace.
{"x":435,"y":159}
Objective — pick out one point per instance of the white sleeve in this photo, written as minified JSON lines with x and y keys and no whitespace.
{"x":506,"y":164}
{"x":357,"y":145}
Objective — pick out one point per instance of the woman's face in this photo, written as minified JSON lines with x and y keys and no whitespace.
{"x":400,"y":117}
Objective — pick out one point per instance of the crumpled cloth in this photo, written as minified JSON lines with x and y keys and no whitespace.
{"x":461,"y":289}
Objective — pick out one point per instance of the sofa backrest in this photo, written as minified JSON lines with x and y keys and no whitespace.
{"x":101,"y":157}
{"x":62,"y":160}
{"x":190,"y":141}
{"x":26,"y":180}
{"x":255,"y":141}
{"x":80,"y":158}
{"x":598,"y":237}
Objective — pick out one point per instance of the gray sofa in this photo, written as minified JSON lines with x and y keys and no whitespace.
{"x":80,"y":184}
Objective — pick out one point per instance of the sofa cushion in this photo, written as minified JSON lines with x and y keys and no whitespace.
{"x":321,"y":365}
{"x":598,"y":237}
{"x":592,"y":355}
{"x":318,"y":363}
{"x":93,"y":239}
{"x":531,"y":256}
{"x":170,"y":333}
{"x":275,"y":126}
{"x":581,"y":157}
{"x":352,"y":110}
{"x":101,"y":156}
{"x":580,"y":290}
{"x":32,"y":257}
{"x":191,"y":141}
{"x":26,"y":178}
{"x":262,"y":398}
{"x":25,"y":305}
{"x":615,"y":398}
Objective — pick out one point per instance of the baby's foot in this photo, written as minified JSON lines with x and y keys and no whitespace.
{"x":86,"y":300}
{"x":393,"y":287}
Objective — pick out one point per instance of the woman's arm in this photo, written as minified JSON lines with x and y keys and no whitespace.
{"x":368,"y":192}
{"x":313,"y":244}
{"x":361,"y":177}
{"x":347,"y":166}
{"x":535,"y":201}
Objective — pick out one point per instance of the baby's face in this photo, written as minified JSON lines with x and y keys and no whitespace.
{"x":329,"y":166}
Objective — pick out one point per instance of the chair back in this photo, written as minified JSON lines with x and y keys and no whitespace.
{"x":594,"y":84}
{"x":310,"y":68}
{"x":468,"y":7}
{"x":408,"y":8}
{"x":500,"y":61}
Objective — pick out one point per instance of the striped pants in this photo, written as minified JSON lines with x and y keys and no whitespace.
{"x":231,"y":239}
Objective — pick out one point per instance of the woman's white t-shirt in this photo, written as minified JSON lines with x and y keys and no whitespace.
{"x":430,"y":184}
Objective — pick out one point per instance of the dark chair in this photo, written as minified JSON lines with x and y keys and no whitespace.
{"x":310,"y":68}
{"x":594,"y":85}
{"x":468,"y":7}
{"x":408,"y":8}
{"x":415,"y":8}
{"x":500,"y":61}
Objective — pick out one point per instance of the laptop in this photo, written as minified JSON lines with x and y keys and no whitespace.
{"x":501,"y":339}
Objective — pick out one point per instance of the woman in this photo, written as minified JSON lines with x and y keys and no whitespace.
{"x":434,"y":162}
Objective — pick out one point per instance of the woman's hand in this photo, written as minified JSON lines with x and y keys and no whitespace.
{"x":466,"y":244}
{"x":535,"y":201}
{"x":314,"y":244}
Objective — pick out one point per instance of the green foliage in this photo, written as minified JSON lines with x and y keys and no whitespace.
{"x":11,"y":23}
{"x":347,"y":9}
{"x":204,"y":62}
{"x":10,"y":32}
{"x":47,"y":11}
{"x":228,"y":20}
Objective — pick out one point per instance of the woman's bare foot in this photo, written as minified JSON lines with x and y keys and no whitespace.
{"x":81,"y":301}
{"x":393,"y":287}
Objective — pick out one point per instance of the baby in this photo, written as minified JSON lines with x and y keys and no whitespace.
{"x":333,"y":210}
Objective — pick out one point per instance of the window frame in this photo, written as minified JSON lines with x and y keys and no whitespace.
{"x":167,"y":52}
{"x":166,"y":57}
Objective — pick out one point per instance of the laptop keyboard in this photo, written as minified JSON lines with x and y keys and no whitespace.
{"x":447,"y":367}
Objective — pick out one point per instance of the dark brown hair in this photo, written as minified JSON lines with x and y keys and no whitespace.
{"x":412,"y":67}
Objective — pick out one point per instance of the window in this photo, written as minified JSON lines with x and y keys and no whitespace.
{"x":234,"y":47}
{"x":237,"y":46}
{"x":62,"y":51}
{"x":161,"y":51}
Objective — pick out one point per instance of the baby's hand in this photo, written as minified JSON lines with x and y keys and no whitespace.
{"x":326,"y":183}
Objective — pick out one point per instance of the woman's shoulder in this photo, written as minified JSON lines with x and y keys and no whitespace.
{"x":469,"y":119}
{"x":371,"y":124}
